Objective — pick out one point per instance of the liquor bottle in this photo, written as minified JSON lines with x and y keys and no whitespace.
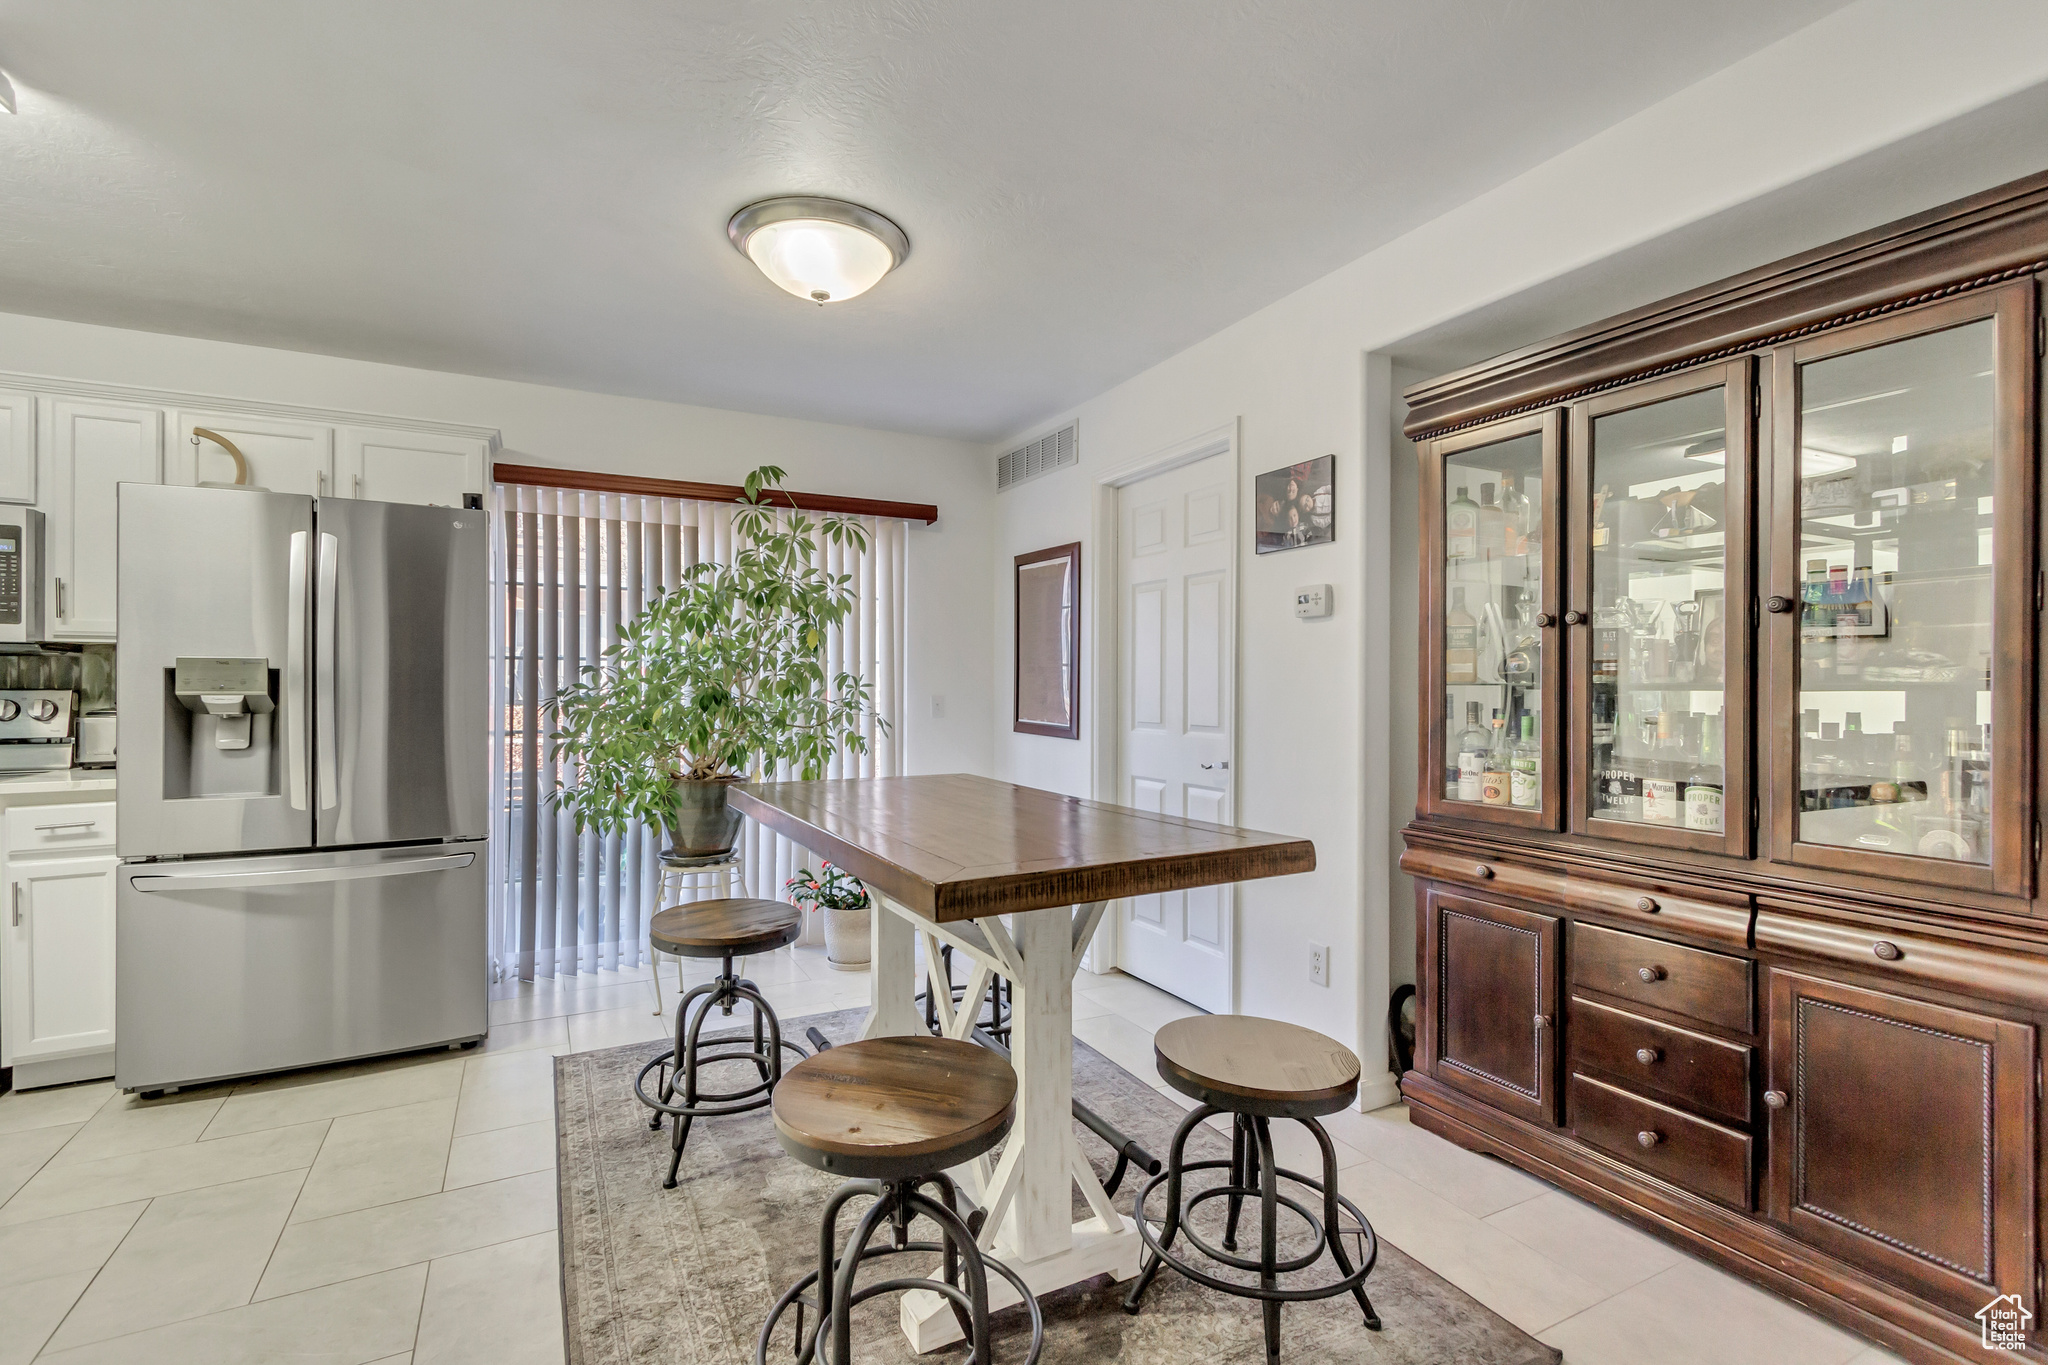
{"x":1621,"y":786}
{"x":1525,"y":781}
{"x":1607,"y":640}
{"x":1450,"y":747}
{"x":1660,"y":779}
{"x":1496,"y":785}
{"x":1599,"y":536}
{"x":1492,"y":525}
{"x":1472,"y":746}
{"x":1461,"y":527}
{"x":1703,"y":790}
{"x":1461,"y":642}
{"x":1517,"y":509}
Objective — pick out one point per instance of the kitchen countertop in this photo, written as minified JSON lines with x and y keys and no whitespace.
{"x":60,"y":782}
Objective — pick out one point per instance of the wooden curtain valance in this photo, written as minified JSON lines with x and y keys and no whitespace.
{"x":541,"y":476}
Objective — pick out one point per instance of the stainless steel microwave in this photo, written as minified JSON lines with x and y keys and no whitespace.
{"x":21,"y":575}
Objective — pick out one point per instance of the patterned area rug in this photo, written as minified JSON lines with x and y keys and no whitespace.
{"x":685,"y":1276}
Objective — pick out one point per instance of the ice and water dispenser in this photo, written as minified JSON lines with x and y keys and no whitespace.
{"x":219,"y":735}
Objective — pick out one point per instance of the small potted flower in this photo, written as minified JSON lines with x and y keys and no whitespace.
{"x":847,"y":908}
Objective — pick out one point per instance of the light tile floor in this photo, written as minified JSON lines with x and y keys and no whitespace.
{"x":404,"y":1211}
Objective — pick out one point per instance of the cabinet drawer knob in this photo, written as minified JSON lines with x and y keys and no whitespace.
{"x":1482,"y":872}
{"x":1542,"y":1021}
{"x":1778,"y":605}
{"x":1886,"y":950}
{"x":1648,"y":1056}
{"x":1774,"y":1098}
{"x":1650,"y":973}
{"x":1572,"y":618}
{"x":1648,"y":1138}
{"x":1646,"y":905}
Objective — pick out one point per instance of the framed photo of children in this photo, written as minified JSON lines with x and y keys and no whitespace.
{"x":1296,"y":506}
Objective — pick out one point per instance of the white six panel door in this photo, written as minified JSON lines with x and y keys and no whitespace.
{"x":1176,"y":675}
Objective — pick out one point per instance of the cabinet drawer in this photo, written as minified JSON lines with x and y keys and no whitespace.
{"x":1655,"y":908}
{"x":1691,"y":1153}
{"x":1712,"y":987}
{"x":1489,"y":874}
{"x":1664,"y":1060}
{"x":59,"y":829}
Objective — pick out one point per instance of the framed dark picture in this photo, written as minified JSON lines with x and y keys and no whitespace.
{"x":1296,"y":506}
{"x":1049,"y":642}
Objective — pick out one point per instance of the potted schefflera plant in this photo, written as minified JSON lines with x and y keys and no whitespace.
{"x":721,"y":678}
{"x":846,"y":905}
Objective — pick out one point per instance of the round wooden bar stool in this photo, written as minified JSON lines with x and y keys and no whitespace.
{"x":1256,"y":1070}
{"x":722,"y":929}
{"x":722,"y":875}
{"x":893,"y":1115}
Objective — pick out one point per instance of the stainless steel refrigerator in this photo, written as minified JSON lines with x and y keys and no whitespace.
{"x":303,"y":791}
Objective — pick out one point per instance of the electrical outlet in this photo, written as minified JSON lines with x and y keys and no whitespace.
{"x":1319,"y":964}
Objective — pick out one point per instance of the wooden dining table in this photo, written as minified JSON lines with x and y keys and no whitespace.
{"x":1017,"y":880}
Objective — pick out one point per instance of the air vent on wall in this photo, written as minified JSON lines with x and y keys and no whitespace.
{"x":1054,"y":451}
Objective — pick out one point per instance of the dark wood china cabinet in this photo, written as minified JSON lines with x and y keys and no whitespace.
{"x":1727,"y":844}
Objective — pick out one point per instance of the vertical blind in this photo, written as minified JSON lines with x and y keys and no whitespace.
{"x":568,"y":569}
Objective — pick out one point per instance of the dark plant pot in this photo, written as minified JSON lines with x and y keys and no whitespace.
{"x":703,"y":825}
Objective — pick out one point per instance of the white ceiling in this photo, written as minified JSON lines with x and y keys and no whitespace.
{"x":538,"y":191}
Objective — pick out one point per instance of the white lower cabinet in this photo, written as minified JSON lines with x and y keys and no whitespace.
{"x":58,"y":1018}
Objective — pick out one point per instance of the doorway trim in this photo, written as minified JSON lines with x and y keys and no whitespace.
{"x":1104,"y":779}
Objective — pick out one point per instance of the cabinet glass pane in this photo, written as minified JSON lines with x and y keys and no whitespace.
{"x":1659,"y":541}
{"x":1493,"y":580}
{"x":1895,"y":585}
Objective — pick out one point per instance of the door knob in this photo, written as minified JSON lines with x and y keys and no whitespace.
{"x":1774,"y":1098}
{"x":1648,"y":1139}
{"x":1542,"y":1021}
{"x":1544,"y":618}
{"x":1572,"y":618}
{"x":1650,"y":973}
{"x":1779,"y":605}
{"x":1647,"y":1055}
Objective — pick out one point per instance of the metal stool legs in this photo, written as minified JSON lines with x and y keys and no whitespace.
{"x":830,"y":1291}
{"x":673,"y":875}
{"x":1255,"y":1174}
{"x":690,"y":1053}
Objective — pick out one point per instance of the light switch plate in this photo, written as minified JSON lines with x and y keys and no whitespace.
{"x":1312,"y":602}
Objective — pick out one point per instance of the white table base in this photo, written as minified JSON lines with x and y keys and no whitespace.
{"x":1029,"y":1193}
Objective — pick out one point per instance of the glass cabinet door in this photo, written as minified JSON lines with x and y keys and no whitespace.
{"x":1901,"y":583}
{"x":1661,"y":479}
{"x":1488,"y":661}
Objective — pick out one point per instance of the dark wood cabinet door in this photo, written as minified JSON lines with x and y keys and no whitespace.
{"x":1493,"y":1013}
{"x":1902,"y":1138}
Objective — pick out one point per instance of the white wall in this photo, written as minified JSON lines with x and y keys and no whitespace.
{"x":950,"y":637}
{"x":1301,"y":378}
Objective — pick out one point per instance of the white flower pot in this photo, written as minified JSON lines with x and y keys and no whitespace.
{"x":847,"y":945}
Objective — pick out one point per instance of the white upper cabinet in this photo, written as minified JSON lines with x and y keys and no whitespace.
{"x":17,"y":446}
{"x":94,"y":447}
{"x":391,"y":465}
{"x":284,"y":456}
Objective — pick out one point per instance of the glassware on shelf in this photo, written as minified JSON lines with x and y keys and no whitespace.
{"x":1525,"y":780}
{"x":1461,"y":642}
{"x":1496,"y":785}
{"x":1518,"y":518}
{"x":1896,"y":592}
{"x":1524,"y":662}
{"x":1492,"y":525}
{"x":1461,"y":527}
{"x":1472,"y":746}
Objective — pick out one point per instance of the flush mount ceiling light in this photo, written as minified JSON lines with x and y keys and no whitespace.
{"x":824,"y":250}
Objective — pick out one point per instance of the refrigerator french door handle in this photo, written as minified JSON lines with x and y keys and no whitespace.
{"x":297,"y":876}
{"x":295,"y":677}
{"x":325,"y":763}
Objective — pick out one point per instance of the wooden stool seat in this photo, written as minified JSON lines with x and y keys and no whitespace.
{"x":1256,"y":1066}
{"x":725,"y":928}
{"x":884,"y":1108}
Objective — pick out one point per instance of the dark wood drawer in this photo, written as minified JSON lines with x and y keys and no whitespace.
{"x":1487,"y":874}
{"x":1725,"y":921}
{"x":1668,"y":1143}
{"x":1664,"y":1060}
{"x":1711,"y":987}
